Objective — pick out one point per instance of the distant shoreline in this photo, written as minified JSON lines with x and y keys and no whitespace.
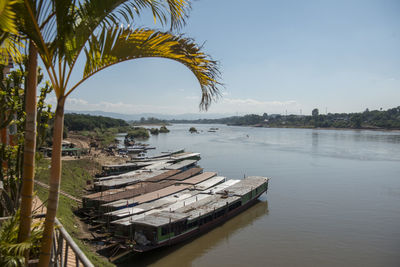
{"x":320,"y":128}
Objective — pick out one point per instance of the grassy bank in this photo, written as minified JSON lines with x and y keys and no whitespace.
{"x":75,"y":173}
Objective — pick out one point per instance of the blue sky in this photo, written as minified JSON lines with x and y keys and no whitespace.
{"x":275,"y":56}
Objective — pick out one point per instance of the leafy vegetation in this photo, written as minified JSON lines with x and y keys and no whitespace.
{"x":192,"y":130}
{"x":150,"y":120}
{"x":84,"y":122}
{"x":13,"y":118}
{"x":164,"y":129}
{"x":154,"y":131}
{"x":12,"y":252}
{"x":138,"y":132}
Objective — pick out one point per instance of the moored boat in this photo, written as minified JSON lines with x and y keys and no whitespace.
{"x":170,"y":226}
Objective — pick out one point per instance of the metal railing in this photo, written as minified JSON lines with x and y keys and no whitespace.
{"x":65,"y":252}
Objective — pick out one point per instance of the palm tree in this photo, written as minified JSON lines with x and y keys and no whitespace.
{"x":61,"y":30}
{"x":10,"y":42}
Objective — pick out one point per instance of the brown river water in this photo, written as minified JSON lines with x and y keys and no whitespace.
{"x":333,"y":198}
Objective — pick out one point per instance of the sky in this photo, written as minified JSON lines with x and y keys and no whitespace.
{"x":275,"y":56}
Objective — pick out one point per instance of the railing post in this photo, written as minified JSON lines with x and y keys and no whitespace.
{"x":66,"y":254}
{"x":59,"y":252}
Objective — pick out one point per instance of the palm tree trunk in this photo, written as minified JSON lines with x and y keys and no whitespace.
{"x":55,"y":177}
{"x":28,"y":173}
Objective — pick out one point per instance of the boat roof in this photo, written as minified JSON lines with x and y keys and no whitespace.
{"x":158,"y":165}
{"x":129,"y":179}
{"x":185,"y":155}
{"x":199,"y":178}
{"x":135,"y":190}
{"x":209,"y":183}
{"x":162,"y":218}
{"x":191,"y":212}
{"x":182,"y":164}
{"x":186,"y":174}
{"x":163,"y":176}
{"x":159,"y":203}
{"x":116,"y":176}
{"x":169,"y":203}
{"x":169,"y":208}
{"x":195,"y":206}
{"x":103,"y":193}
{"x":198,"y":209}
{"x":220,"y":187}
{"x":245,"y":186}
{"x":148,"y":197}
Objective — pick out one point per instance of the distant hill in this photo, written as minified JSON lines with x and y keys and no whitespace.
{"x":80,"y":122}
{"x":137,"y":117}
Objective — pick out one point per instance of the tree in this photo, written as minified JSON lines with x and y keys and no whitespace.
{"x":61,"y":30}
{"x":14,"y":92}
{"x":9,"y":45}
{"x":315,"y":112}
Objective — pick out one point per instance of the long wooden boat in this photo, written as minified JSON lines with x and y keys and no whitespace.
{"x":165,"y":227}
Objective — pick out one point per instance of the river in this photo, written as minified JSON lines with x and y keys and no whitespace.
{"x":333,"y":198}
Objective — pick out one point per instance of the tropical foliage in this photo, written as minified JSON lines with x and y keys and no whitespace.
{"x":9,"y":39}
{"x":60,"y":31}
{"x":12,"y":252}
{"x":13,"y":117}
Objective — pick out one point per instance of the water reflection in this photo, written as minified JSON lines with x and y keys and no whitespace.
{"x":185,"y":253}
{"x":314,"y":137}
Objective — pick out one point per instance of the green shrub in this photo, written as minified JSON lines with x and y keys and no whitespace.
{"x":138,"y":132}
{"x":164,"y":129}
{"x":154,"y":131}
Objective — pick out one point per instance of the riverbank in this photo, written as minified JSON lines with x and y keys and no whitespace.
{"x":74,"y":179}
{"x":319,"y":128}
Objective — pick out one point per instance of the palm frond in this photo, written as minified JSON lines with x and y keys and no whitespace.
{"x":10,"y":45}
{"x":28,"y":26}
{"x":91,"y":14}
{"x":7,"y":16}
{"x":116,"y":45}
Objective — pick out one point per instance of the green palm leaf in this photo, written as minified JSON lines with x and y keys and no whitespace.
{"x":7,"y":16}
{"x":92,"y":14}
{"x":116,"y":45}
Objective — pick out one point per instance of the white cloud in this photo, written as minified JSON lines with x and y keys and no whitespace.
{"x":76,"y":101}
{"x":78,"y":104}
{"x":224,"y":105}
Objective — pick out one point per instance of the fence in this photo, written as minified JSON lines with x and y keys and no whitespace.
{"x":65,"y":252}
